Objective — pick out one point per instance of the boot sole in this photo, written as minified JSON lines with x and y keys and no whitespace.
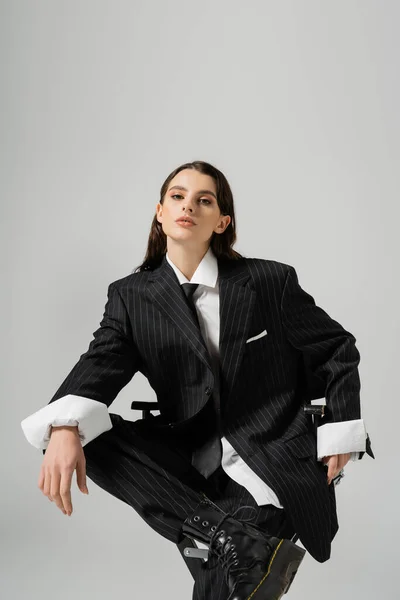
{"x":284,"y":564}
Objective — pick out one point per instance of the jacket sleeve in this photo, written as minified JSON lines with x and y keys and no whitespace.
{"x":331,"y":357}
{"x":94,"y":382}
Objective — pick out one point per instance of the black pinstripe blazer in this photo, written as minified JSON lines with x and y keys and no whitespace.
{"x":148,"y":327}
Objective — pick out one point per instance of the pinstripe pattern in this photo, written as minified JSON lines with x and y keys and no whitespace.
{"x":148,"y":327}
{"x":122,"y":462}
{"x":125,"y":462}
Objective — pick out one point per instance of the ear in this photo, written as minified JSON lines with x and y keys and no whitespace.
{"x":159,"y":212}
{"x":223,"y":224}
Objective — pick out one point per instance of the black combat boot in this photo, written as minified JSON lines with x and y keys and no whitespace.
{"x":256,"y":565}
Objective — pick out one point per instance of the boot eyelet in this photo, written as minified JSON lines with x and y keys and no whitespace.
{"x":196,"y":518}
{"x":228,"y":539}
{"x":236,"y":562}
{"x":234,"y":554}
{"x":233,"y":546}
{"x":213,"y":528}
{"x":205,"y":523}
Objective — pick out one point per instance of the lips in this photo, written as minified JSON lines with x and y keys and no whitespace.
{"x":185,"y":219}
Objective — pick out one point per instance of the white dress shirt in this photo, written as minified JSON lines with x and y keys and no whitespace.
{"x":92,"y":417}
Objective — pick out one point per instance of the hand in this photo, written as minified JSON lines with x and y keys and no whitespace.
{"x":335,"y":463}
{"x":63,"y":455}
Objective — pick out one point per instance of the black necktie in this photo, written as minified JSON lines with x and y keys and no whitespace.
{"x":189,"y":289}
{"x":207,"y":458}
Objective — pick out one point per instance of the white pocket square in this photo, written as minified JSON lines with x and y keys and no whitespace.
{"x":256,"y":337}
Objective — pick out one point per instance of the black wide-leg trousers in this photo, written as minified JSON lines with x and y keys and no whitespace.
{"x":152,"y":472}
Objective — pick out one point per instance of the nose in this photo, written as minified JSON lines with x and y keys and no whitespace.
{"x":188,"y":206}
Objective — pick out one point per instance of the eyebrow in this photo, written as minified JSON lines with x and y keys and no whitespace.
{"x":180,"y":187}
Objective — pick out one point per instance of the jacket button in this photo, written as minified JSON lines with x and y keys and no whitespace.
{"x":171,"y":425}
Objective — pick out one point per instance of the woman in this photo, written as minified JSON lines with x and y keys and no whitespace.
{"x":232,"y":360}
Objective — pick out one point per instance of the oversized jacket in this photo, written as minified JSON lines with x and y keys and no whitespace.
{"x":148,"y":327}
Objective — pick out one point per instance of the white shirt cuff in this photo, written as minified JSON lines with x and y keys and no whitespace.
{"x":341,"y":437}
{"x":91,"y":416}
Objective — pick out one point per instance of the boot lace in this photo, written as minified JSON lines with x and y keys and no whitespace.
{"x":225,"y":551}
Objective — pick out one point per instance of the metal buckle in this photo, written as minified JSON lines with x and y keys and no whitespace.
{"x":196,"y":553}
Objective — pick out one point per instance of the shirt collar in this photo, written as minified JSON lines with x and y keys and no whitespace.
{"x":206,"y":272}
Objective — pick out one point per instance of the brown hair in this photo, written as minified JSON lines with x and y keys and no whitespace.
{"x":221,"y":244}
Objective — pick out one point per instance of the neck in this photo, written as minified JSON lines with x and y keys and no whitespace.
{"x":187,"y":259}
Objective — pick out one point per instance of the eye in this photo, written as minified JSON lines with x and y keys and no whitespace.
{"x":180,"y":196}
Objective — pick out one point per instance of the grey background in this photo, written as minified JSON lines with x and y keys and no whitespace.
{"x":297,"y":103}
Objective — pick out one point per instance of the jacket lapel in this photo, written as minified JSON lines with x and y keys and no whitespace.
{"x":167,"y":294}
{"x":236,"y":301}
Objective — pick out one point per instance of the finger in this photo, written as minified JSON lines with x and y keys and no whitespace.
{"x":341,"y":462}
{"x":81,"y":475}
{"x":65,"y":490}
{"x":47,"y":484}
{"x":332,"y":467}
{"x":55,"y":490}
{"x":41,"y":479}
{"x":346,"y":458}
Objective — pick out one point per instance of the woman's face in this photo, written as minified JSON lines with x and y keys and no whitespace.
{"x":193,"y":194}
